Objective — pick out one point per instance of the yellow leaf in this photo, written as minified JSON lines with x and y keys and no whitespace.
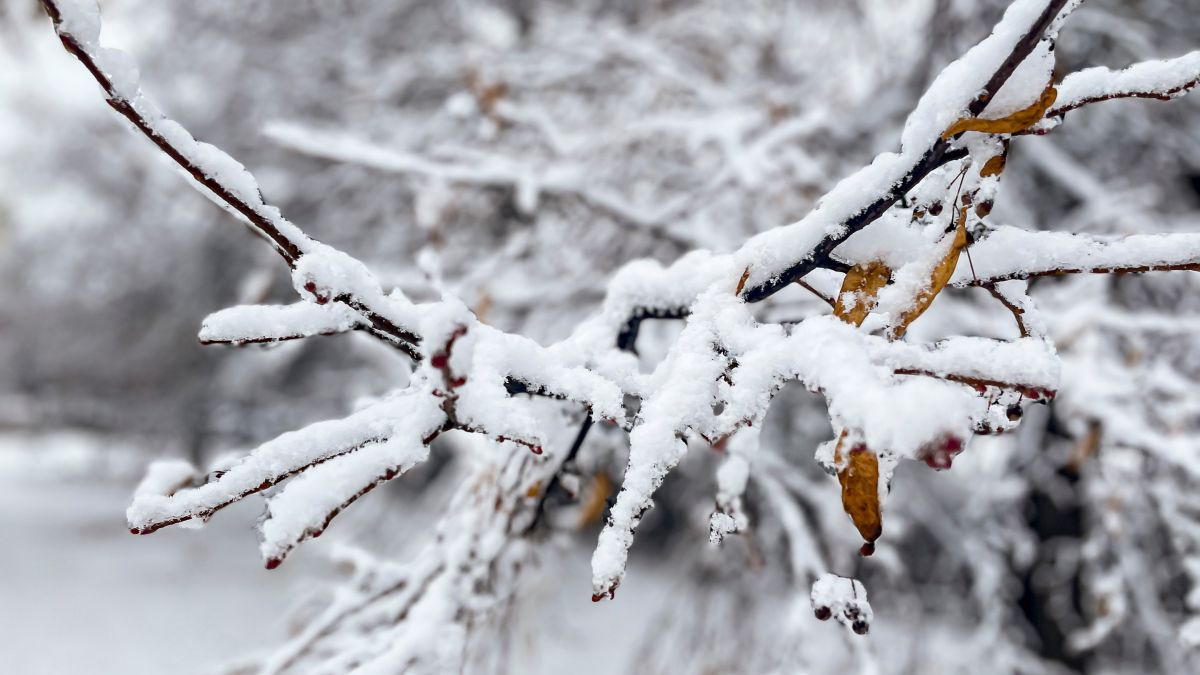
{"x":864,"y":281}
{"x":938,"y":280}
{"x":1016,"y":122}
{"x":534,"y":490}
{"x":596,"y":501}
{"x":742,"y":281}
{"x":994,"y":166}
{"x":860,"y":490}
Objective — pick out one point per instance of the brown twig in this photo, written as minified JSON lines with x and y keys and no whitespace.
{"x":1030,"y":391}
{"x":1166,"y":95}
{"x":259,"y":217}
{"x":268,"y":483}
{"x":1101,"y":269}
{"x":1017,"y":312}
{"x":805,"y":285}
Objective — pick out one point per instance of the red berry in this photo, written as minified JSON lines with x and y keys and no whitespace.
{"x":822,"y":613}
{"x":861,"y":627}
{"x":439,"y":361}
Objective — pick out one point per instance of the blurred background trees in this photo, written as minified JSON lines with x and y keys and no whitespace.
{"x":516,"y":153}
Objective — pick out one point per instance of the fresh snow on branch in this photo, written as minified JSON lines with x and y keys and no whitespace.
{"x":1012,"y":253}
{"x":270,"y":323}
{"x":898,"y":231}
{"x":1164,"y":80}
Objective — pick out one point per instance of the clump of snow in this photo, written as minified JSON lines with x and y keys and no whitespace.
{"x":81,"y":20}
{"x":721,"y":525}
{"x":121,"y":70}
{"x":1014,"y":253}
{"x":305,"y":505}
{"x":164,"y":477}
{"x":1168,"y":78}
{"x":257,"y":323}
{"x":273,"y":461}
{"x":843,"y":599}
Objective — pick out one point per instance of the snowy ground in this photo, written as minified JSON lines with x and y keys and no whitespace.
{"x":79,"y":594}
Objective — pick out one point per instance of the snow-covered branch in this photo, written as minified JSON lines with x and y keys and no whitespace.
{"x":1009,"y":253}
{"x":896,"y":233}
{"x":1162,"y":80}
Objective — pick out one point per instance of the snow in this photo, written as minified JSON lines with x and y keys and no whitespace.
{"x":255,"y":323}
{"x":120,"y":69}
{"x":716,"y":382}
{"x":1168,"y":78}
{"x":165,"y":477}
{"x":80,"y":21}
{"x":1030,"y":361}
{"x":732,"y":480}
{"x":845,"y":599}
{"x":768,"y":254}
{"x":80,"y":18}
{"x":1014,"y":253}
{"x":302,"y":508}
{"x":282,"y":456}
{"x":81,"y":595}
{"x":1025,"y":84}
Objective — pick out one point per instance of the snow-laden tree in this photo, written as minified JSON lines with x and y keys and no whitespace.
{"x":830,"y":302}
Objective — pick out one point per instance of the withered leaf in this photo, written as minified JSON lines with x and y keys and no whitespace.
{"x":594,"y":504}
{"x":860,"y":489}
{"x":938,"y":280}
{"x":864,"y":281}
{"x":1014,"y":123}
{"x":994,"y":166}
{"x":742,"y":282}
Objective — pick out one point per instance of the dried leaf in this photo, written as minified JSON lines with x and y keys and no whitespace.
{"x":1014,"y":123}
{"x":534,"y":490}
{"x":742,"y":282}
{"x":483,"y":307}
{"x":593,"y":507}
{"x":860,"y":490}
{"x":864,"y":281}
{"x":1086,"y":448}
{"x":994,"y":166}
{"x":938,"y":280}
